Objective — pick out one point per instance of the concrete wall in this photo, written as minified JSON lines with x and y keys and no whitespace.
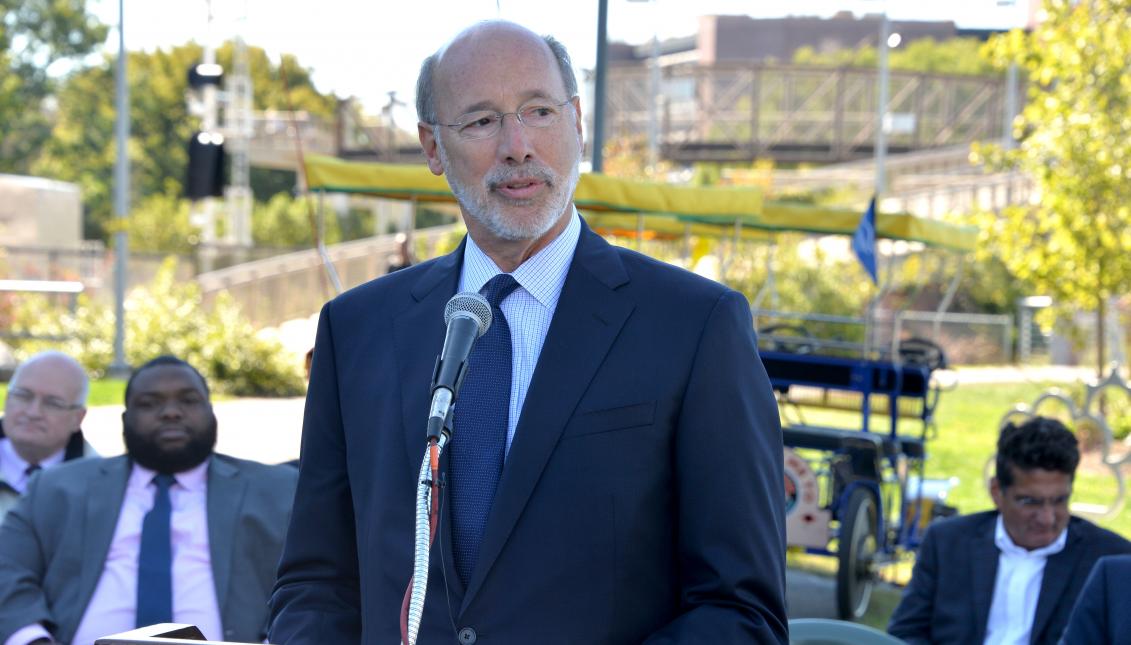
{"x":39,"y":212}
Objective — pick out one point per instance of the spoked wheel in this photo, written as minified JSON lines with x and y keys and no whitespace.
{"x":856,"y":556}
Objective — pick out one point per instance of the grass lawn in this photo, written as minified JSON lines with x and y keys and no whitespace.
{"x":967,"y":419}
{"x":102,"y":392}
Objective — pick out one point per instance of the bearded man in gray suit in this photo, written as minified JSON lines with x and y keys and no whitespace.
{"x":169,"y":532}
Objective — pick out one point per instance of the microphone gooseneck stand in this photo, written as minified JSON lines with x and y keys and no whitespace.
{"x":467,"y":316}
{"x":427,"y":519}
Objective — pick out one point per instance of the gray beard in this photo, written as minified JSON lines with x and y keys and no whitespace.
{"x":478,"y":207}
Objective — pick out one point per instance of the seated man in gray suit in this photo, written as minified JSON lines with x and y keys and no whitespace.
{"x":43,"y":409}
{"x":1010,"y":575}
{"x":169,"y":532}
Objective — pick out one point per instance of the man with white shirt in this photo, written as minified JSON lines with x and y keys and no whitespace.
{"x":1008,"y":576}
{"x":169,"y":532}
{"x":43,"y":411}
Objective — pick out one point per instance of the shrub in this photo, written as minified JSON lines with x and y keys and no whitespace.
{"x":167,"y":317}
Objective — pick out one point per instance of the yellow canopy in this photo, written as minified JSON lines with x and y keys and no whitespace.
{"x":618,"y":204}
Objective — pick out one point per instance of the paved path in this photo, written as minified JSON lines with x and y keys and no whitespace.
{"x":265,"y":430}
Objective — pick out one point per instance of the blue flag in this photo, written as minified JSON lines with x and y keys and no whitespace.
{"x":864,"y":241}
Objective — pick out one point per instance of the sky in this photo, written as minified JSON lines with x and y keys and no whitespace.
{"x":367,"y":48}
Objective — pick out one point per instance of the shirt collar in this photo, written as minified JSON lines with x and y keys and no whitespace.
{"x":20,"y":465}
{"x":1006,"y":545}
{"x":541,"y":275}
{"x":193,"y":479}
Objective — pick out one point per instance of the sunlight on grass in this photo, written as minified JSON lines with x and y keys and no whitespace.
{"x":962,"y":445}
{"x":102,"y":392}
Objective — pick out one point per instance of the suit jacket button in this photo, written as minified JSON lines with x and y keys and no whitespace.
{"x":467,"y":636}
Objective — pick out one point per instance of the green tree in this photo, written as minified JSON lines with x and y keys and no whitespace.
{"x":82,"y":147}
{"x":283,"y":221}
{"x":1075,"y":141}
{"x":951,"y":56}
{"x":161,"y":224}
{"x":36,"y":35}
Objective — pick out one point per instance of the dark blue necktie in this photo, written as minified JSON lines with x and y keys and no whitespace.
{"x":155,"y":559}
{"x":480,"y":434}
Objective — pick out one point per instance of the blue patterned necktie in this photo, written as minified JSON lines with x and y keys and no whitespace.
{"x":155,"y":559}
{"x":480,"y":435}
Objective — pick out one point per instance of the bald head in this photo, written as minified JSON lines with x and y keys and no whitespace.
{"x":61,"y":367}
{"x":45,"y":405}
{"x":486,"y":38}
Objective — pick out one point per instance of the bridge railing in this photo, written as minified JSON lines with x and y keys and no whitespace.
{"x":742,"y":111}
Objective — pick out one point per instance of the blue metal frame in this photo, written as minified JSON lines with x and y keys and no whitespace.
{"x":866,"y":377}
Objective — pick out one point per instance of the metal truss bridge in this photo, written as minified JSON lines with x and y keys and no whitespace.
{"x":789,"y":113}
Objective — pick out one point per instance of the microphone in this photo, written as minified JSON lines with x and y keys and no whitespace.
{"x":467,"y":316}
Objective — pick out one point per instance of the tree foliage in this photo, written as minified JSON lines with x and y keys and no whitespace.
{"x":951,"y":56}
{"x":1075,"y":141}
{"x":82,"y":146}
{"x":34,"y":36}
{"x":167,"y":317}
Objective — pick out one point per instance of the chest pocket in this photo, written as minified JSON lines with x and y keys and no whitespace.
{"x":613,"y":419}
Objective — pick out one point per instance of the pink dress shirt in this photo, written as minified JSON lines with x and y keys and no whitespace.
{"x":113,"y":606}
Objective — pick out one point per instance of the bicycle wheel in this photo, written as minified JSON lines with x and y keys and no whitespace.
{"x":856,"y":555}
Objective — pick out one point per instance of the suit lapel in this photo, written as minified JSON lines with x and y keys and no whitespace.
{"x":103,"y":506}
{"x":983,"y":574}
{"x":589,"y":314}
{"x":1059,"y":569}
{"x":225,"y":499}
{"x":418,"y":335}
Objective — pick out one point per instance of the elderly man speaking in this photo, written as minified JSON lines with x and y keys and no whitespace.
{"x":615,"y":470}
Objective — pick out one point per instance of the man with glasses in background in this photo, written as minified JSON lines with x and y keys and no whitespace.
{"x":168,"y":532}
{"x":1009,"y":575}
{"x":43,"y":411}
{"x":615,"y":469}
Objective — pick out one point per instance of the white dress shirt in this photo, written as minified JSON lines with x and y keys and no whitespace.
{"x":13,"y":468}
{"x":530,"y":308}
{"x":1017,"y":588}
{"x":113,"y":607}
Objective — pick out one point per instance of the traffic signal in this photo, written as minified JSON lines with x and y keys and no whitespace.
{"x":205,"y":74}
{"x":205,"y":166}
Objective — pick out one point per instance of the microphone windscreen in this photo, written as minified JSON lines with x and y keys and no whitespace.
{"x":471,"y":303}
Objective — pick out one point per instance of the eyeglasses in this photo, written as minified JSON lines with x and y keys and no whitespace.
{"x":484,"y":124}
{"x":50,"y":404}
{"x":1034,"y":503}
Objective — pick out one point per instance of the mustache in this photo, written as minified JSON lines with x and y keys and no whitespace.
{"x":530,"y":170}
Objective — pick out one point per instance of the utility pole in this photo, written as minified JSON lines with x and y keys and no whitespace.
{"x":599,"y":85}
{"x":882,"y":106}
{"x":238,"y":132}
{"x":119,"y":368}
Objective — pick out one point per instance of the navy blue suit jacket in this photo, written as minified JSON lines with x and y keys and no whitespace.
{"x":1103,"y":610}
{"x":640,"y":501}
{"x":952,"y":586}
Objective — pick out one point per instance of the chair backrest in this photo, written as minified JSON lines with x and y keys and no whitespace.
{"x":826,"y":631}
